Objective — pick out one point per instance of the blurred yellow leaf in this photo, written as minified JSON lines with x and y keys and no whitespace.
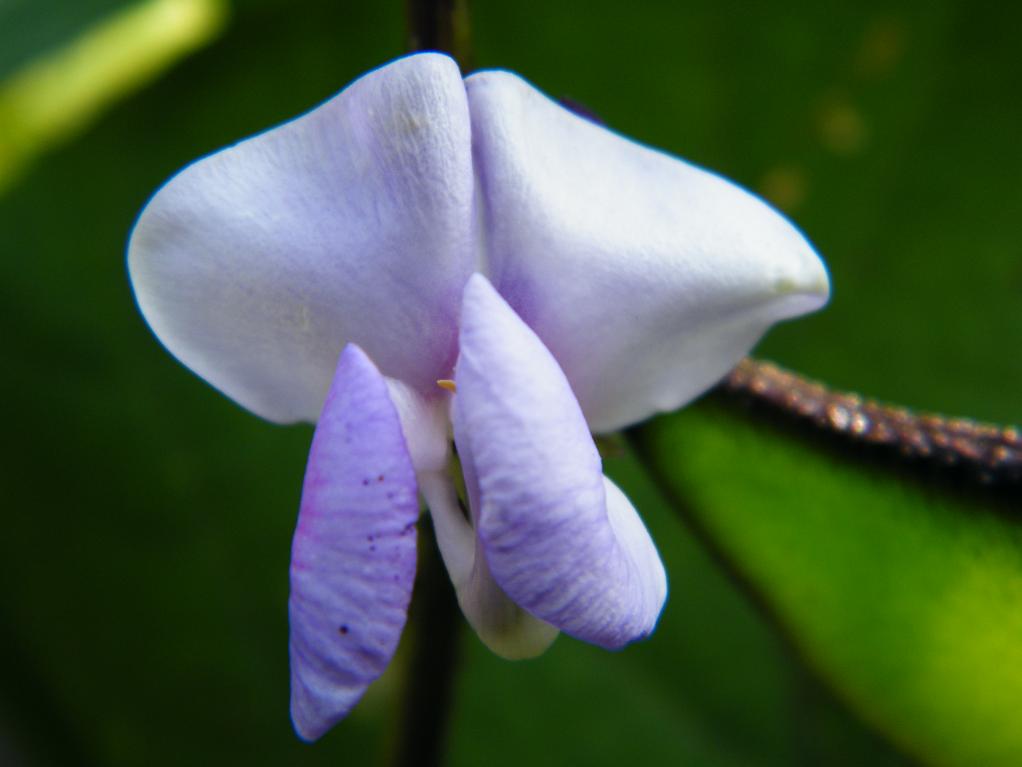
{"x":60,"y":92}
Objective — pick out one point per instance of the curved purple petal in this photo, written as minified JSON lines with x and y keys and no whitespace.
{"x":559,"y":539}
{"x":503,"y":626}
{"x":353,"y":557}
{"x":352,"y":223}
{"x":646,"y":277}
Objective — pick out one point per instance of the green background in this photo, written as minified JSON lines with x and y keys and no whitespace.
{"x":147,"y":520}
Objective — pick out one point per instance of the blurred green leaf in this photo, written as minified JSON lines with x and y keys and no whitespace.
{"x":60,"y":91}
{"x":30,"y":26}
{"x":903,"y":596}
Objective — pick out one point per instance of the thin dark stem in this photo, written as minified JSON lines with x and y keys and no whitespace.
{"x":434,"y":622}
{"x":985,"y":452}
{"x":433,"y":631}
{"x":440,"y":25}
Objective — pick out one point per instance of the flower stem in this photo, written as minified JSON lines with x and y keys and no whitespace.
{"x":434,"y":621}
{"x":440,"y":25}
{"x":987,"y":453}
{"x":434,"y":628}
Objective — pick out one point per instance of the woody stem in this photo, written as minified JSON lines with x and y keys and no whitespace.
{"x":988,"y":453}
{"x":434,"y":620}
{"x":433,"y":633}
{"x":440,"y":25}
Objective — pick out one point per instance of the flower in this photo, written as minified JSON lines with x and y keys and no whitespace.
{"x":422,"y":253}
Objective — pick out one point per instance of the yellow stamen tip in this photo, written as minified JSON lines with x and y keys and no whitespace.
{"x":448,"y":384}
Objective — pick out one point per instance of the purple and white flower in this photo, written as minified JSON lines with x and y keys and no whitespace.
{"x":555,"y":278}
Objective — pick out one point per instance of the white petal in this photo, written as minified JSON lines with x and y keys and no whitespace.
{"x":425,"y":421}
{"x":648,"y":278}
{"x":352,"y":223}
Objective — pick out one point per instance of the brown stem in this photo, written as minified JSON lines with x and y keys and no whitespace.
{"x":434,"y":621}
{"x":991,"y":454}
{"x":440,"y":25}
{"x":433,"y":632}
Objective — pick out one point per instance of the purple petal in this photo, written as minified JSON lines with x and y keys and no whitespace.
{"x":352,"y":223}
{"x":502,"y":625}
{"x":560,"y":540}
{"x":353,"y":558}
{"x":646,"y":277}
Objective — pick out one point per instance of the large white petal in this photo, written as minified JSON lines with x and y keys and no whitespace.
{"x":648,"y":278}
{"x":352,"y":223}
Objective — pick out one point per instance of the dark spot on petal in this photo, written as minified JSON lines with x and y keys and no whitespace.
{"x":343,"y":630}
{"x":365,"y":482}
{"x":372,"y":548}
{"x":379,"y":478}
{"x":370,"y":538}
